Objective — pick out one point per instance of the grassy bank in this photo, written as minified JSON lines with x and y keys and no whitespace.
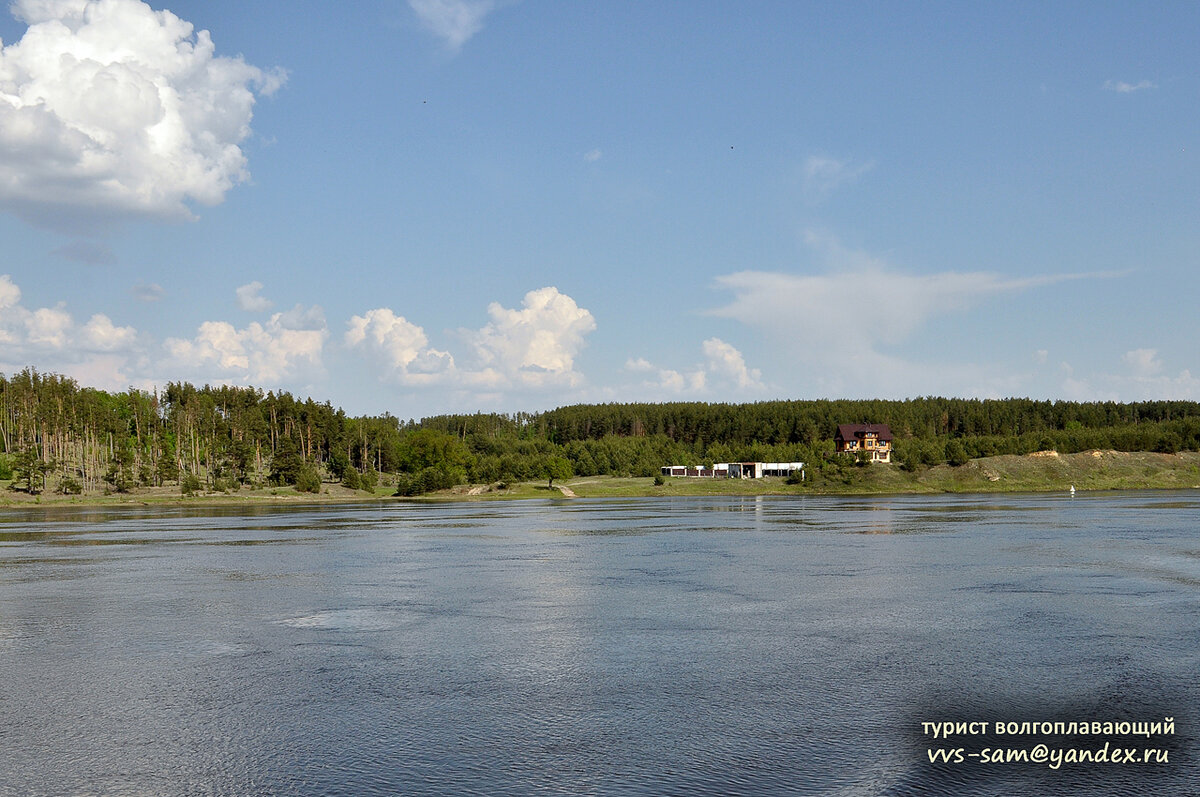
{"x":1040,"y":472}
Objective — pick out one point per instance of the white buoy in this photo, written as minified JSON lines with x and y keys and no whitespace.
{"x":1072,"y":491}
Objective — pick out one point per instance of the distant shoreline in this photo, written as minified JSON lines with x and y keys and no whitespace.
{"x":1032,"y":473}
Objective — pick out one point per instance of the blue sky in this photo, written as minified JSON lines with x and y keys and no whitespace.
{"x":452,"y":205}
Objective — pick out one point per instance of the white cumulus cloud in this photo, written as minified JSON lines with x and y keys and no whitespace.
{"x":640,"y":364}
{"x":1143,"y":362}
{"x":49,"y":326}
{"x":110,"y":109}
{"x":101,"y":334}
{"x":52,"y":331}
{"x":537,"y":344}
{"x":724,"y":368}
{"x":249,"y":300}
{"x":532,"y":347}
{"x":302,"y":318}
{"x":400,"y":343}
{"x":50,"y":338}
{"x":728,"y":363}
{"x":260,"y":354}
{"x":10,"y":294}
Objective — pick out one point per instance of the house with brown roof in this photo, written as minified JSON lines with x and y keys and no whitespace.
{"x":872,"y":440}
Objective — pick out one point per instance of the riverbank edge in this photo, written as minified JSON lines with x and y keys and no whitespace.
{"x":1033,"y":473}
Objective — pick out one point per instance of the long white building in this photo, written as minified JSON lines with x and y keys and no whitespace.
{"x":735,"y":470}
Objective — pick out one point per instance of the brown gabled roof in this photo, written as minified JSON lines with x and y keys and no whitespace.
{"x":854,"y":431}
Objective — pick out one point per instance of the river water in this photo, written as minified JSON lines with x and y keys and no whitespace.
{"x":611,"y":647}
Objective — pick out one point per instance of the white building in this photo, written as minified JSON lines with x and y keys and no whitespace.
{"x":735,"y":470}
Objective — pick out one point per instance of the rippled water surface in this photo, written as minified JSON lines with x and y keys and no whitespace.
{"x":658,"y":646}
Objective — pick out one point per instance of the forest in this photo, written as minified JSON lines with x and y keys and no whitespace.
{"x":58,"y":436}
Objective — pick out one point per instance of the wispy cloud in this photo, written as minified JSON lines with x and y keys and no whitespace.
{"x":453,"y":21}
{"x":88,"y":252}
{"x":1140,"y":376}
{"x":593,"y":155}
{"x":823,"y":175}
{"x":148,"y":293}
{"x":724,"y":368}
{"x":1121,"y":87}
{"x":844,"y":324}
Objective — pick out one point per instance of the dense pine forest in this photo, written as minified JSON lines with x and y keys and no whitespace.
{"x":58,"y":436}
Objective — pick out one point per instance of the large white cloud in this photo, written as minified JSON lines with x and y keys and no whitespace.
{"x":531,"y":347}
{"x":402,"y":345}
{"x":258,"y":354}
{"x":535,"y":345}
{"x":109,"y":109}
